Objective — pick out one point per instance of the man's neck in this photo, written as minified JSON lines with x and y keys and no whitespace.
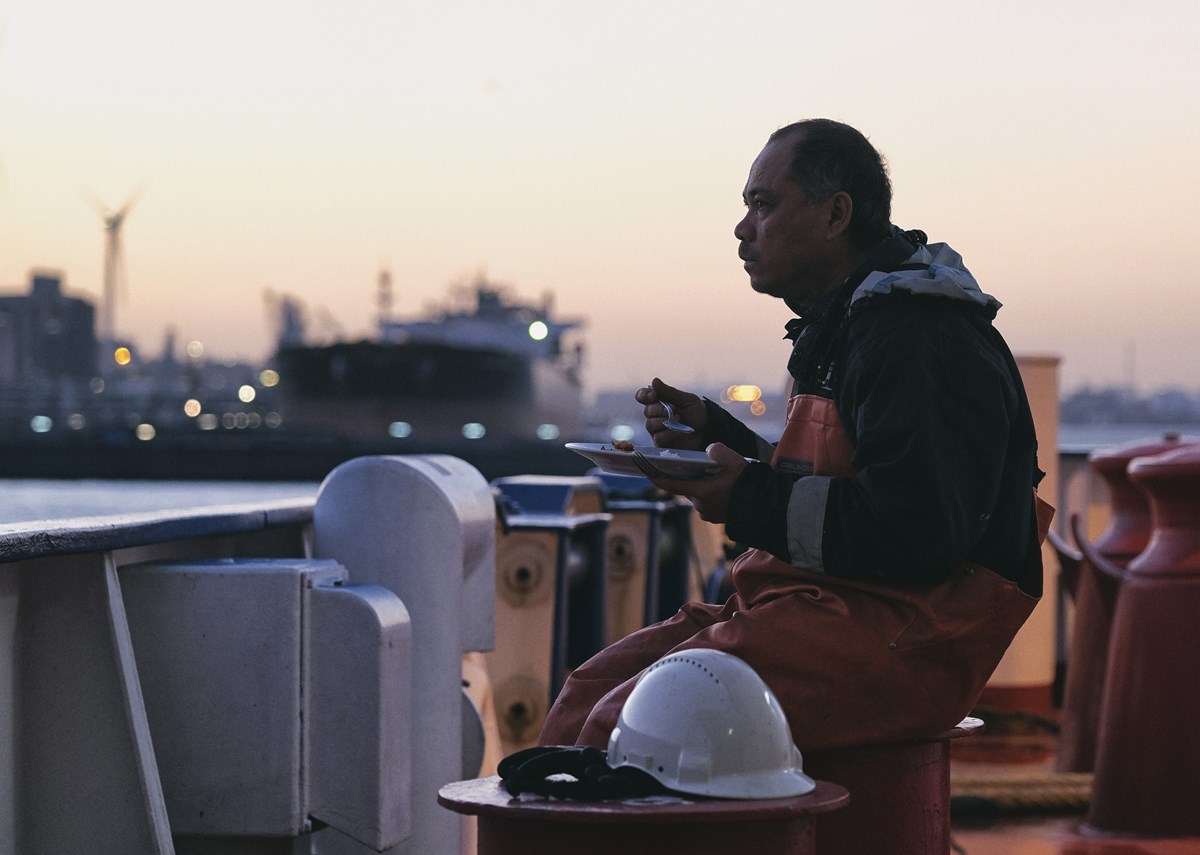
{"x":849,"y":263}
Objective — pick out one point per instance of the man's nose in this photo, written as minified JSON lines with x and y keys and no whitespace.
{"x":743,"y":231}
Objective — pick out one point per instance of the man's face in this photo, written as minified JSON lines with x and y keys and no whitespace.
{"x":783,"y":239}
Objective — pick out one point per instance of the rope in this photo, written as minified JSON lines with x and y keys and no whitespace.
{"x":1050,"y":793}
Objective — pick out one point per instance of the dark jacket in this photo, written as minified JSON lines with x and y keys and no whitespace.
{"x":934,"y":407}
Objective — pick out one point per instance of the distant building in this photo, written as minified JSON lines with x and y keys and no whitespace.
{"x":46,"y":337}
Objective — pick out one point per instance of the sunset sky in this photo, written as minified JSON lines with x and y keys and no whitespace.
{"x":598,"y":151}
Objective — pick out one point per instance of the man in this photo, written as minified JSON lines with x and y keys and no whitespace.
{"x":894,"y":535}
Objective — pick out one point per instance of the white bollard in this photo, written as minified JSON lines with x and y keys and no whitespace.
{"x":275,"y":694}
{"x":423,"y":527}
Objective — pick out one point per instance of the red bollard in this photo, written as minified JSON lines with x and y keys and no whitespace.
{"x":647,"y":826}
{"x":1095,"y":596}
{"x":1147,"y":770}
{"x":899,"y":796}
{"x":1129,"y":523}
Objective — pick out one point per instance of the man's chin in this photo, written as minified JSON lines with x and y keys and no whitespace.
{"x":768,"y":288}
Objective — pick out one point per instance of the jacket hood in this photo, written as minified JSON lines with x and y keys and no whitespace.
{"x":935,"y":270}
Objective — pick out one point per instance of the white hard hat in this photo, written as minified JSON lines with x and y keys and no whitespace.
{"x":704,"y":722}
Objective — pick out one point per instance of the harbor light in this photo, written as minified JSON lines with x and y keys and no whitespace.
{"x":400,"y":430}
{"x":191,"y":408}
{"x":208,"y":421}
{"x":744,"y":393}
{"x":547,"y":431}
{"x":757,"y":408}
{"x":41,"y":424}
{"x":246,"y":394}
{"x":268,"y":377}
{"x":473,"y":430}
{"x":538,"y":330}
{"x":96,"y":384}
{"x":145,"y":432}
{"x":195,"y":349}
{"x":76,"y":421}
{"x":122,"y":356}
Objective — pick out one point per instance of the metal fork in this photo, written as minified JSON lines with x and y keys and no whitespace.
{"x":647,"y":468}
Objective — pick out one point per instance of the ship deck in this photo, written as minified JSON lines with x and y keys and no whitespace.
{"x":1007,"y":799}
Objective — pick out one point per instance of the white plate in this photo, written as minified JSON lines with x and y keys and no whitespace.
{"x":673,"y":463}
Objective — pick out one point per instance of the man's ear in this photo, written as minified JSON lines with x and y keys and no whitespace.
{"x":840,"y":207}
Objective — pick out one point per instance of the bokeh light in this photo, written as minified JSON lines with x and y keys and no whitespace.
{"x":744,"y":393}
{"x":623,"y":433}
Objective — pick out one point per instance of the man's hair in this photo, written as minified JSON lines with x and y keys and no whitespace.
{"x":828,"y":157}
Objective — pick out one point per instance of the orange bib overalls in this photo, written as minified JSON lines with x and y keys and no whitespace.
{"x":852,"y":662}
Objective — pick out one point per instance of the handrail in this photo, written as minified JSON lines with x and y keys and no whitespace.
{"x":38,"y":539}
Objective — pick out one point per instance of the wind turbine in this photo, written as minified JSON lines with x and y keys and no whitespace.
{"x":114,"y":265}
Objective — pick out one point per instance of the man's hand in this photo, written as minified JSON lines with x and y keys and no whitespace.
{"x":710,"y":494}
{"x":689,"y":409}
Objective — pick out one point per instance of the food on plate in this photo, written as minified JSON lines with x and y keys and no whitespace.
{"x":623,"y":445}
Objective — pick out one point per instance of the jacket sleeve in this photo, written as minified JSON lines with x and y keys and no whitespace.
{"x":757,"y":514}
{"x":723,"y":427}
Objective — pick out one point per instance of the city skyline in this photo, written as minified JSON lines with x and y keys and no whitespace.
{"x":598,"y":156}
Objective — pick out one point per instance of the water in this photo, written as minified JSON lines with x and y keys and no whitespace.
{"x":1083,"y":438}
{"x":26,"y":500}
